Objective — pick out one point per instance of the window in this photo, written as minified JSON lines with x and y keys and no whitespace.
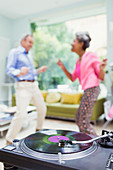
{"x":52,"y":42}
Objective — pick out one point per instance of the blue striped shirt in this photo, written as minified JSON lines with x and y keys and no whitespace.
{"x":17,"y":58}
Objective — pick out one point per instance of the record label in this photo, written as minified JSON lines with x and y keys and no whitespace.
{"x":56,"y":139}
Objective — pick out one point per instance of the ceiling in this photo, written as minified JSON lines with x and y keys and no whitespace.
{"x":20,"y":8}
{"x":14,"y":9}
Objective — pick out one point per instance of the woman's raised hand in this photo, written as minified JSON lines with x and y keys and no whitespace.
{"x":60,"y":64}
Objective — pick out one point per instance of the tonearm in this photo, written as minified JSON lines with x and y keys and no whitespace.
{"x":106,"y":140}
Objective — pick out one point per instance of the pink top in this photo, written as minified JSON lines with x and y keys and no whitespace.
{"x":87,"y":71}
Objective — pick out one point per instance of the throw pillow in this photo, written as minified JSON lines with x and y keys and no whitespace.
{"x":44,"y":94}
{"x":53,"y":97}
{"x":69,"y":98}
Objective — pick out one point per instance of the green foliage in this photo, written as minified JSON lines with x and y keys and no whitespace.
{"x":33,"y":27}
{"x":50,"y":44}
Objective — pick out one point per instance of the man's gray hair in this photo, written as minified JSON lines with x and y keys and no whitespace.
{"x":23,"y":37}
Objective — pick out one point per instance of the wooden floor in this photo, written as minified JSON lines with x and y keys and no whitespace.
{"x":29,"y":128}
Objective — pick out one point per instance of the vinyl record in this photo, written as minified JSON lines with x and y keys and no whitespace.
{"x":47,"y":140}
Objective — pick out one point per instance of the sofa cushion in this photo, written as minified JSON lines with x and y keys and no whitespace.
{"x":69,"y":98}
{"x":53,"y":97}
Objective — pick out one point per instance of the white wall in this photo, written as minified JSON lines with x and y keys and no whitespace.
{"x":20,"y":27}
{"x":5,"y":27}
{"x":4,"y":49}
{"x":5,"y":43}
{"x":109,"y":13}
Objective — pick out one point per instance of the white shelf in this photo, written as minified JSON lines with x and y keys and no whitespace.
{"x":4,"y":125}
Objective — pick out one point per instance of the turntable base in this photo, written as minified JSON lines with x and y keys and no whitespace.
{"x":25,"y":153}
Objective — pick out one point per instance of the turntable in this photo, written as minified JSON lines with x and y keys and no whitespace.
{"x":60,"y":149}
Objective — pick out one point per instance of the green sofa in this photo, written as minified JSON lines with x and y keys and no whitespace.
{"x":67,"y":111}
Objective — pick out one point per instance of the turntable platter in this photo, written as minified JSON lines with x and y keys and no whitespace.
{"x":45,"y":142}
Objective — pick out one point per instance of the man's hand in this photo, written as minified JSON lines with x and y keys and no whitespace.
{"x":24,"y":71}
{"x":42,"y":69}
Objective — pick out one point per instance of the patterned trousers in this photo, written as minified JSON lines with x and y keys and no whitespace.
{"x":84,"y":112}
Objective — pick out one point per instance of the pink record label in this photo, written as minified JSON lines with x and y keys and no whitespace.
{"x":57,"y":138}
